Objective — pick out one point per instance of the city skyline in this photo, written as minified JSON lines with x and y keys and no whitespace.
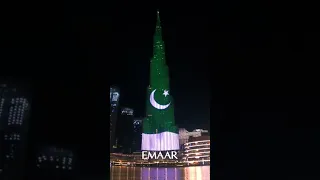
{"x":245,"y":70}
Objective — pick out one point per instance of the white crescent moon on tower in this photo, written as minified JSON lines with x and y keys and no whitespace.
{"x":155,"y":104}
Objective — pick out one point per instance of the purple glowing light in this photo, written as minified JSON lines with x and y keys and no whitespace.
{"x":165,"y":141}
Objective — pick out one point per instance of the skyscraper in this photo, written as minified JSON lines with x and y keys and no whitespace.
{"x":14,"y":111}
{"x":114,"y":103}
{"x":124,"y":132}
{"x":137,"y":134}
{"x":159,"y":130}
{"x":54,"y":162}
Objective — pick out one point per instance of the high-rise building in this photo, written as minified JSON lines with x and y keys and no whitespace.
{"x":159,"y":130}
{"x":137,"y":134}
{"x":124,"y":132}
{"x":184,"y":135}
{"x":197,"y":151}
{"x":114,"y":106}
{"x":53,"y":162}
{"x":14,"y":113}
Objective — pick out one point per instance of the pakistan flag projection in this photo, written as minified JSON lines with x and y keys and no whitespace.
{"x":159,"y":130}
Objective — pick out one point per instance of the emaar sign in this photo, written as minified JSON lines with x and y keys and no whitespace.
{"x":146,"y":155}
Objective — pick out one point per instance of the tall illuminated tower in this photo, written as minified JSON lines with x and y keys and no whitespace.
{"x":159,"y":130}
{"x":114,"y":103}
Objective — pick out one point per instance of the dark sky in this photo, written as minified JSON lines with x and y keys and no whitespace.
{"x":262,"y":83}
{"x":264,"y":113}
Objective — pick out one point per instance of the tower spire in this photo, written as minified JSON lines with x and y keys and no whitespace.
{"x":158,"y":18}
{"x":158,"y":34}
{"x":158,"y":63}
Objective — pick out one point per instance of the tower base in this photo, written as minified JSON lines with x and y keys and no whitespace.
{"x":165,"y":141}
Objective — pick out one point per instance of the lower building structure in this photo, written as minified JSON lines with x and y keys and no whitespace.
{"x":197,"y":151}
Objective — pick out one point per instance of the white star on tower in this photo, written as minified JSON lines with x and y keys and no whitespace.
{"x":166,"y":93}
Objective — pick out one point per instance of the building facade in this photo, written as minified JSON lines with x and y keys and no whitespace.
{"x":197,"y":151}
{"x":114,"y":106}
{"x":159,"y":130}
{"x":125,"y":131}
{"x":137,"y":134}
{"x":14,"y":115}
{"x":54,"y":162}
{"x":184,"y":135}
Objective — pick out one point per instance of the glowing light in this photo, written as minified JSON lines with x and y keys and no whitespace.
{"x":191,"y":162}
{"x":206,"y":141}
{"x":196,"y":149}
{"x":154,"y":103}
{"x":159,"y":130}
{"x":197,"y":153}
{"x":165,"y":141}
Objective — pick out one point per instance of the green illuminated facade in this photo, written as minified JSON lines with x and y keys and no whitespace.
{"x":159,"y":109}
{"x":159,"y":120}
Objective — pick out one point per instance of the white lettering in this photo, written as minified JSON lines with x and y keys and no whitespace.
{"x":160,"y":154}
{"x":151,"y":156}
{"x":157,"y":155}
{"x":144,"y":156}
{"x":167,"y":154}
{"x":173,"y":154}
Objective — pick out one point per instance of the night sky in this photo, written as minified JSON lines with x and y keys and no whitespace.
{"x":247,"y":69}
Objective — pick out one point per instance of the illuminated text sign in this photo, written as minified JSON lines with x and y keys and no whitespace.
{"x":146,"y":155}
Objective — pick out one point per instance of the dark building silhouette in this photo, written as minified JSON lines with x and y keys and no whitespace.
{"x":124,"y":132}
{"x":53,"y":163}
{"x":137,"y":134}
{"x":114,"y":106}
{"x":14,"y":114}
